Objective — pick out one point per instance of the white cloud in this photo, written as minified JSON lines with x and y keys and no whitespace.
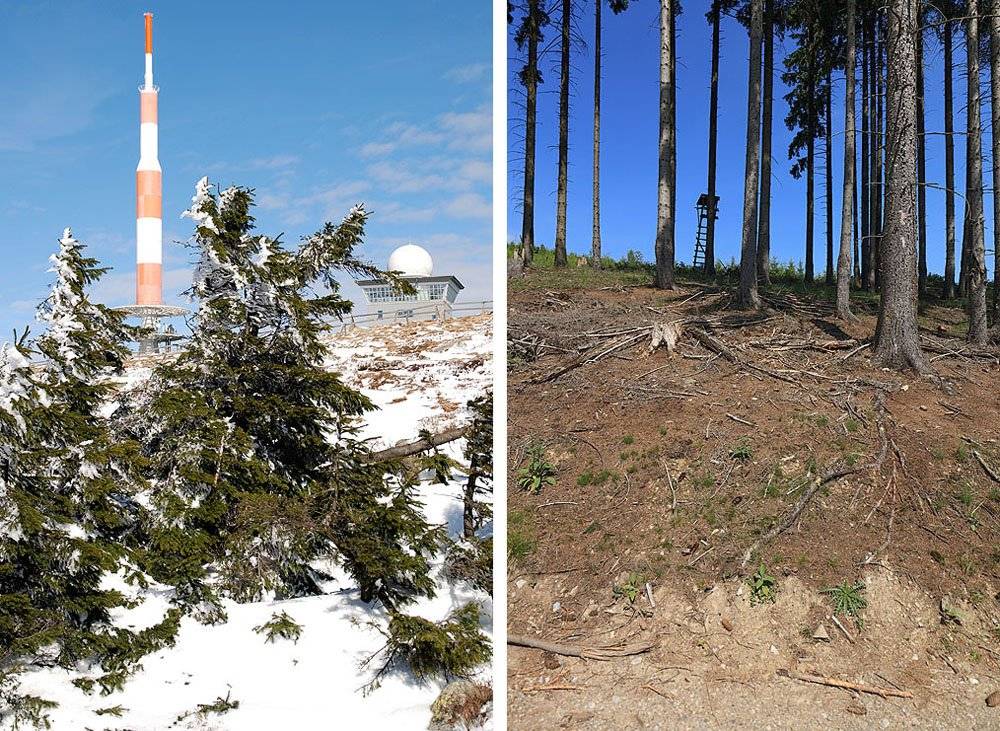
{"x":472,"y":130}
{"x":275,"y":162}
{"x":476,"y":171}
{"x":376,"y":149}
{"x":392,"y":212}
{"x":468,"y":73}
{"x":469,"y":130}
{"x":469,"y":205}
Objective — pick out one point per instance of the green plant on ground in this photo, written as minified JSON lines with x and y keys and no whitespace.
{"x":965,"y":495}
{"x":520,"y":535}
{"x":628,"y":439}
{"x":538,"y":472}
{"x":219,"y":706}
{"x":603,"y":476}
{"x":848,"y":599}
{"x":763,"y":586}
{"x":631,"y":587}
{"x":742,"y":451}
{"x":280,"y":626}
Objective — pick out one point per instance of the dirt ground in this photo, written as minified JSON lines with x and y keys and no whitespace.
{"x":671,"y":467}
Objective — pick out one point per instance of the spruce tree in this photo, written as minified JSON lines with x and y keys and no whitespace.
{"x":257,"y":467}
{"x":66,"y":488}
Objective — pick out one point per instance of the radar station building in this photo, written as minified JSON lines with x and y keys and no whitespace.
{"x":433,"y":300}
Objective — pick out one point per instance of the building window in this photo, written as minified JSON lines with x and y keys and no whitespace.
{"x":426,"y":292}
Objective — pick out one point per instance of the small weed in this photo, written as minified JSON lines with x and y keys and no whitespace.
{"x":763,"y":586}
{"x":280,"y":626}
{"x":663,"y":431}
{"x":628,"y":439}
{"x":962,"y":453}
{"x":603,"y":476}
{"x":703,"y":481}
{"x":742,"y":451}
{"x":967,"y":564}
{"x":631,"y":588}
{"x":937,"y":557}
{"x":965,"y":495}
{"x":848,"y":599}
{"x":538,"y":473}
{"x":220,"y":706}
{"x":592,"y":527}
{"x":520,"y":535}
{"x":852,"y":426}
{"x":115,"y":711}
{"x":585,"y":479}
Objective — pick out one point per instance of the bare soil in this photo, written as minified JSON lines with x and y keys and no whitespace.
{"x":671,"y":466}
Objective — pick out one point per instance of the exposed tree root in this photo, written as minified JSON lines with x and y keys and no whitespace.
{"x":587,"y":653}
{"x":845,"y":684}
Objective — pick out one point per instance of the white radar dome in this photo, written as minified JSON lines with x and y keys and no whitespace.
{"x":412,"y":261}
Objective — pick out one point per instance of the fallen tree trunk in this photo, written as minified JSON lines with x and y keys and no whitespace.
{"x":416,"y":447}
{"x":587,"y":653}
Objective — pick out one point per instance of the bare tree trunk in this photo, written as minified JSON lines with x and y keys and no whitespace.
{"x":713,"y":142}
{"x":469,"y":501}
{"x":530,"y":121}
{"x":866,"y":135}
{"x":995,"y":117}
{"x":976,"y":274}
{"x":748,"y":296}
{"x":563,"y":179}
{"x":881,"y":158}
{"x":848,"y":199}
{"x":595,"y":242}
{"x":897,"y":339}
{"x":873,"y":153}
{"x":829,"y":180}
{"x":921,"y":168}
{"x":810,"y":197}
{"x":673,"y":126}
{"x":949,"y":167}
{"x":664,"y":210}
{"x":856,"y":276}
{"x":810,"y":176}
{"x":764,"y":211}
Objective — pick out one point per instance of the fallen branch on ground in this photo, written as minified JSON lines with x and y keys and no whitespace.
{"x":845,"y":684}
{"x":789,"y":521}
{"x":590,"y":356}
{"x":587,"y":653}
{"x":985,"y":465}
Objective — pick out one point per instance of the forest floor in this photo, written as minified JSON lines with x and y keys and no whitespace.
{"x":671,"y":467}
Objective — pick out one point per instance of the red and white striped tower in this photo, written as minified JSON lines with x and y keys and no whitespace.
{"x":148,"y":191}
{"x":149,"y":307}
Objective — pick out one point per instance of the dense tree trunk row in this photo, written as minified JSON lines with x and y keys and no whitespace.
{"x":883,"y":239}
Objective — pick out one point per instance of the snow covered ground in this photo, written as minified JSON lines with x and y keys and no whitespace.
{"x":421,"y":376}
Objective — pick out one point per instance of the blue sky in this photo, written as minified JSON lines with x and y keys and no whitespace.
{"x":629,"y":140}
{"x":317,"y":105}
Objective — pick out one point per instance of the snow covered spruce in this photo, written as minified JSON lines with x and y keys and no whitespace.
{"x":236,"y":472}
